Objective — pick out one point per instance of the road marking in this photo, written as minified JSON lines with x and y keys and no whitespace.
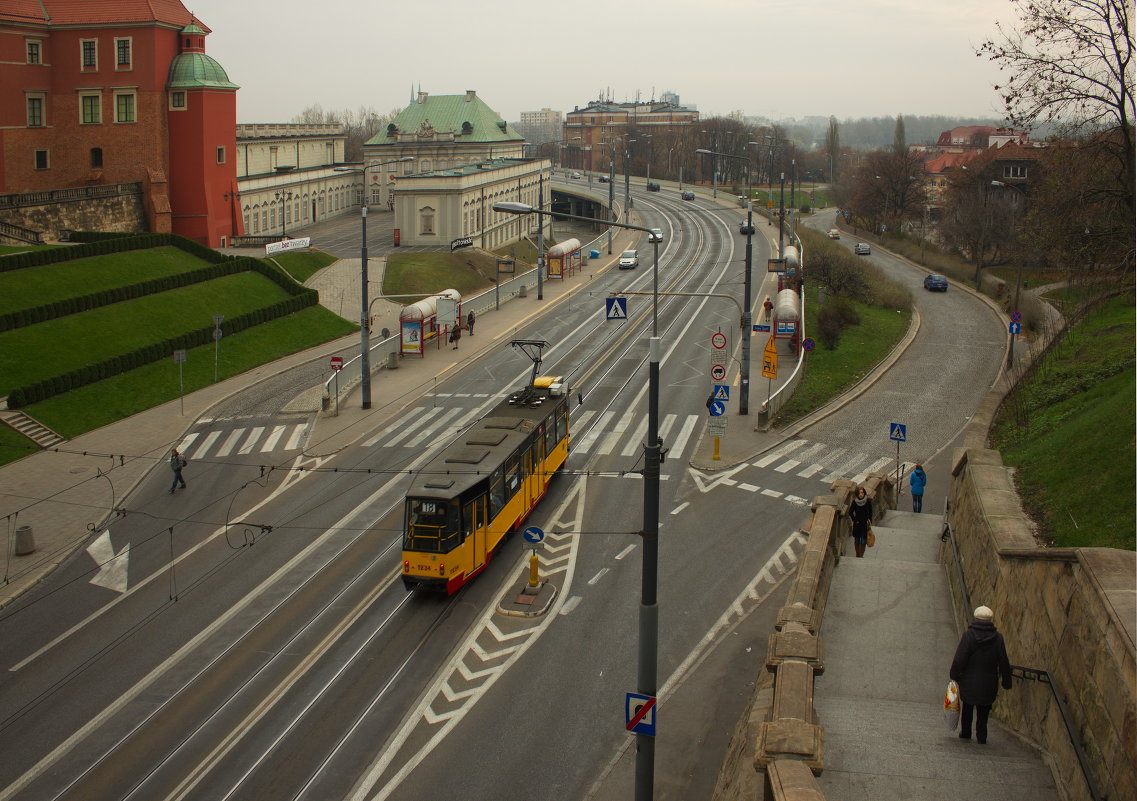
{"x":273,"y":438}
{"x":230,"y":443}
{"x":684,"y":434}
{"x":810,"y":471}
{"x":749,"y":487}
{"x":680,"y":507}
{"x":188,"y":441}
{"x":637,"y":439}
{"x":254,"y":435}
{"x":440,"y":423}
{"x":206,"y":444}
{"x":778,"y":453}
{"x":294,"y":440}
{"x":772,"y":493}
{"x":627,"y":551}
{"x":570,"y":605}
{"x":786,"y":467}
{"x":407,"y":428}
{"x":590,"y":438}
{"x":592,"y":581}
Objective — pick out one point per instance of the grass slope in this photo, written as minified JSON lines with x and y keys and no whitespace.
{"x":1069,"y":432}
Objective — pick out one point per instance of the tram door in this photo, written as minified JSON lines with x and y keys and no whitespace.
{"x":531,"y":491}
{"x":476,"y":516}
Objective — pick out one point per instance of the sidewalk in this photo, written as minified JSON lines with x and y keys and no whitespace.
{"x":890,"y":636}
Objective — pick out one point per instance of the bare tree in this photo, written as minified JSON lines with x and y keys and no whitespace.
{"x":833,"y":147}
{"x":899,"y":143}
{"x":1071,"y":62}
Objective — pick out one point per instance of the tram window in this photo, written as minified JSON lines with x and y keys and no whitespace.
{"x":550,"y":437}
{"x":431,"y":525}
{"x":497,"y":492}
{"x":512,"y":480}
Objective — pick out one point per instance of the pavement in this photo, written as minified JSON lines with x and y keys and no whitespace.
{"x":889,"y":630}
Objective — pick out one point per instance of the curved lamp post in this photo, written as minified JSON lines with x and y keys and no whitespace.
{"x":647,"y":680}
{"x":364,"y":325}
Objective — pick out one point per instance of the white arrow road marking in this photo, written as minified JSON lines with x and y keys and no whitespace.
{"x":112,"y":566}
{"x":705,"y":483}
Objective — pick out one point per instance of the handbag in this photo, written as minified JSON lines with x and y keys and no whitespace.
{"x":871,"y":539}
{"x":951,"y":706}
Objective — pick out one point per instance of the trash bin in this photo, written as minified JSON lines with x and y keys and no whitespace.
{"x":393,"y":360}
{"x":25,"y":540}
{"x":594,"y":254}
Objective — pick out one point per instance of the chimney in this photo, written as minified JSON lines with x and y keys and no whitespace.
{"x":470,"y":93}
{"x":421,"y":97}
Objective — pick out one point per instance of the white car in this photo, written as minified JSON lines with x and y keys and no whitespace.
{"x":656,"y":235}
{"x":629,"y":260}
{"x":575,"y":175}
{"x":862,"y":249}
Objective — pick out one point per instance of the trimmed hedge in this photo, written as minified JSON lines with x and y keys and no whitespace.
{"x":112,"y":244}
{"x":121,"y":363}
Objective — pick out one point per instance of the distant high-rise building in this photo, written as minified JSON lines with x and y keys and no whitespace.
{"x":540,"y":126}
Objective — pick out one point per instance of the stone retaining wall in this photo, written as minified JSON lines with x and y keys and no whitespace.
{"x":1068,"y":611}
{"x":120,"y":213}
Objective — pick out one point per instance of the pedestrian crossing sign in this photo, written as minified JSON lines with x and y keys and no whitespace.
{"x":616,"y":308}
{"x":898,"y":432}
{"x":722,"y":392}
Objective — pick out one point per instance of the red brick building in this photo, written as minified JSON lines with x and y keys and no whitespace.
{"x":99,"y":92}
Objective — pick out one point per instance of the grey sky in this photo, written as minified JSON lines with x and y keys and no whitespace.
{"x":775,"y":58}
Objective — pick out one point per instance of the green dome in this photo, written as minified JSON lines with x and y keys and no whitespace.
{"x":197,"y":70}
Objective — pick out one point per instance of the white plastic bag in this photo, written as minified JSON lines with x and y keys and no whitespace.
{"x":951,"y":706}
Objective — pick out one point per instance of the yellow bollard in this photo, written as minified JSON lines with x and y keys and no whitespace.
{"x":534,"y":579}
{"x":716,"y":456}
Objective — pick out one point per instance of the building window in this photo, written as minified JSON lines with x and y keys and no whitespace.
{"x":35,"y":112}
{"x":246,"y":221}
{"x":122,"y":60}
{"x":41,"y":160}
{"x":178,"y":100}
{"x":88,"y":55}
{"x":220,"y":155}
{"x":1014,"y":171}
{"x":331,"y":153}
{"x":256,"y":222}
{"x":426,"y":220}
{"x":273,"y":156}
{"x":97,"y":158}
{"x":34,"y":52}
{"x":124,"y":108}
{"x":264,"y":219}
{"x":91,"y":109}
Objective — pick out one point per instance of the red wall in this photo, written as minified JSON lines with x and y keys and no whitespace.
{"x":198,"y":184}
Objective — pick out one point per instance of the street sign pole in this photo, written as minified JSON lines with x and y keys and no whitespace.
{"x":217,"y":318}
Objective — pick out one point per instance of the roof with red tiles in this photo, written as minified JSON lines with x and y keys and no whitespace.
{"x":86,"y":12}
{"x":948,"y":161}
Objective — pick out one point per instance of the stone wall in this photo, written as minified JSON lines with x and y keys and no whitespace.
{"x":122,"y":212}
{"x":1069,"y":611}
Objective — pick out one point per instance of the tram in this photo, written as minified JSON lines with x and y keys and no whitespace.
{"x":464,"y":502}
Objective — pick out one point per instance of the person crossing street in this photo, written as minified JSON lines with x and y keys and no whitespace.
{"x":177,"y":464}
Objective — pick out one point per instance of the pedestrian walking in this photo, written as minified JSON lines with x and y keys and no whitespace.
{"x":470,"y":322}
{"x":980,"y":661}
{"x":177,"y":463}
{"x":455,"y":335}
{"x":768,"y":305}
{"x":860,"y":513}
{"x":917,"y":480}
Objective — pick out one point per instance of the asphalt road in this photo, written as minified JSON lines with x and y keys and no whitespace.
{"x":269,"y":650}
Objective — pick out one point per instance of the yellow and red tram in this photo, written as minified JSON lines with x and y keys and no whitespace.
{"x":483,"y":485}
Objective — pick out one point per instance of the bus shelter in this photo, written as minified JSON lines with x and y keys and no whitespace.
{"x":563,"y":259}
{"x":787,"y":315}
{"x":419,"y":323}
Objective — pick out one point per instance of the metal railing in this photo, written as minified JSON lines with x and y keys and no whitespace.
{"x":1027,"y":673}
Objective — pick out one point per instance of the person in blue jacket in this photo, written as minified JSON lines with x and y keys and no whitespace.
{"x":916,"y":481}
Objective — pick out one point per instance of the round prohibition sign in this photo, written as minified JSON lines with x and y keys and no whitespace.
{"x":718,"y":372}
{"x":718,"y":340}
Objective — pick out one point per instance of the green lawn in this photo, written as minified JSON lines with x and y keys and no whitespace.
{"x":302,"y":264}
{"x":58,"y":346}
{"x":828,"y":373}
{"x":36,"y":286}
{"x":423,"y":274}
{"x":14,"y":445}
{"x":1070,"y":431}
{"x":112,"y":399}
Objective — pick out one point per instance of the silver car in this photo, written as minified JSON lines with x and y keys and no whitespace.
{"x":629,"y":260}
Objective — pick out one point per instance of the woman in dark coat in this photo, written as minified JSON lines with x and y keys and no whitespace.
{"x":860,"y":512}
{"x":980,"y":660}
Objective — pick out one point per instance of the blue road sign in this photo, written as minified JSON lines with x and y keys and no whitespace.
{"x":898,"y":432}
{"x":762,"y":327}
{"x":1017,"y":316}
{"x":718,"y":408}
{"x":639,"y":714}
{"x":616,"y":308}
{"x":533,"y":534}
{"x":722,"y":392}
{"x":808,"y":343}
{"x":1015,"y":328}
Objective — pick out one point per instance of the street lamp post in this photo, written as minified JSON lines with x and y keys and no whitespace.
{"x":627,"y":176}
{"x":647,"y":679}
{"x":744,"y":370}
{"x":285,"y":197}
{"x":364,"y":325}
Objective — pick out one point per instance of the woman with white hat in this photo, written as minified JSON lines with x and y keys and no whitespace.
{"x":980,"y":660}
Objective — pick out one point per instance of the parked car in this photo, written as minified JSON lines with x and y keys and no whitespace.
{"x":656,"y":235}
{"x":605,"y":179}
{"x":862,"y":249}
{"x":652,"y":186}
{"x":687,"y":194}
{"x":935,"y":283}
{"x":629,"y":260}
{"x":834,"y":233}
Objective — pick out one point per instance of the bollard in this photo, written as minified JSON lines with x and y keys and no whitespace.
{"x":534,"y":578}
{"x":25,"y":541}
{"x":393,"y":360}
{"x":523,"y":291}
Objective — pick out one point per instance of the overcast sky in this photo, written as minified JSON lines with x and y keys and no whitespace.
{"x":772,"y":58}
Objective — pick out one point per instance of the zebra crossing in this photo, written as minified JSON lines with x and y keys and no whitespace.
{"x":819,"y":460}
{"x":220,"y":443}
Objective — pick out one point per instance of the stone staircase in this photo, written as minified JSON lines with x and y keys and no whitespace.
{"x":38,"y":433}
